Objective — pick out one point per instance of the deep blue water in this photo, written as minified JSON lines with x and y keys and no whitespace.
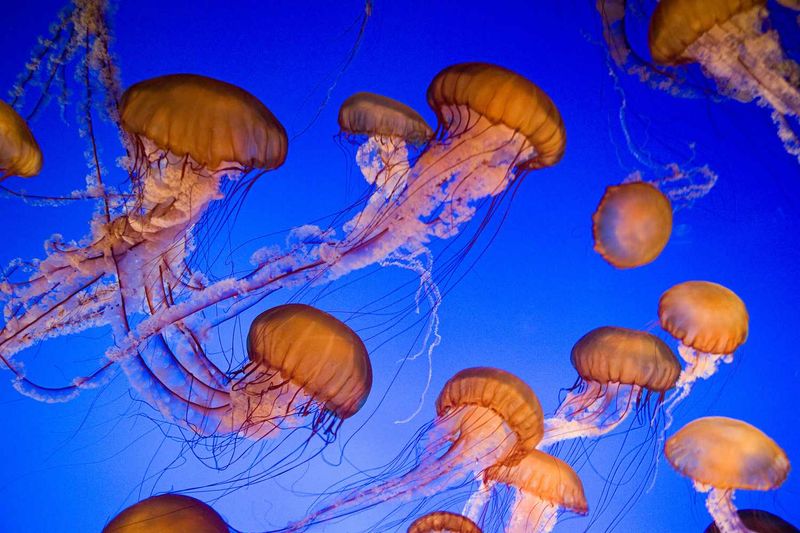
{"x":521,"y":305}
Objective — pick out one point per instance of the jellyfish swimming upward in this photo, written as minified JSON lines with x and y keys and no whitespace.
{"x":19,"y":152}
{"x":443,"y":522}
{"x":168,"y":513}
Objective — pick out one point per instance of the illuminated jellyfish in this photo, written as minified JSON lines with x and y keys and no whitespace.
{"x":443,"y":522}
{"x":710,"y":321}
{"x":632,"y":224}
{"x":731,"y":41}
{"x":721,"y":455}
{"x":19,"y":152}
{"x":168,"y":513}
{"x":759,"y":521}
{"x":483,"y":416}
{"x":619,"y":371}
{"x":544,"y":486}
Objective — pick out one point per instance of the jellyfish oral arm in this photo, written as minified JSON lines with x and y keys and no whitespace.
{"x":720,"y":506}
{"x":478,"y":499}
{"x":531,"y":514}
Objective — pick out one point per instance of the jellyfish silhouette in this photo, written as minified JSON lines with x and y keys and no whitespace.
{"x":168,"y":513}
{"x":729,"y":40}
{"x":19,"y":152}
{"x":721,"y":455}
{"x":710,"y":321}
{"x":759,"y":521}
{"x":483,"y":416}
{"x":791,"y":4}
{"x":632,"y":224}
{"x":443,"y":522}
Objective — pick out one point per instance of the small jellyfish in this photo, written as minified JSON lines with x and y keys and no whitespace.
{"x":710,"y":321}
{"x":721,"y":455}
{"x":791,"y":4}
{"x":544,"y":486}
{"x":619,"y":370}
{"x":632,"y":224}
{"x":730,"y":39}
{"x":759,"y":521}
{"x":19,"y":152}
{"x":443,"y":522}
{"x":484,"y":416}
{"x":168,"y":513}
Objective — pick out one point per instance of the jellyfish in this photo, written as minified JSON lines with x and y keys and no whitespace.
{"x":710,"y":321}
{"x":632,"y":224}
{"x":443,"y":522}
{"x":544,"y":487}
{"x":19,"y":152}
{"x":731,"y":41}
{"x":619,"y":371}
{"x":759,"y":521}
{"x":791,"y":4}
{"x":168,"y":513}
{"x":483,"y":416}
{"x":721,"y":455}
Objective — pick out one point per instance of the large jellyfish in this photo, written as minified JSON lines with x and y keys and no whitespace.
{"x":168,"y":513}
{"x":619,"y":371}
{"x":731,"y":41}
{"x":19,"y":152}
{"x":632,"y":224}
{"x":544,"y":487}
{"x":484,"y":416}
{"x":721,"y":455}
{"x":710,"y":321}
{"x":759,"y":522}
{"x":443,"y":522}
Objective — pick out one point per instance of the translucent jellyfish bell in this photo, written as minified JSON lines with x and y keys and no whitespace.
{"x":759,"y":521}
{"x":443,"y":522}
{"x":19,"y":152}
{"x":168,"y":513}
{"x":632,"y":224}
{"x":721,"y":455}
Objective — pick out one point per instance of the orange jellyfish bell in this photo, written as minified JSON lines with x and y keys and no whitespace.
{"x":19,"y":152}
{"x":759,"y":521}
{"x":375,"y":115}
{"x":168,"y":513}
{"x":443,"y":522}
{"x":213,"y":122}
{"x":632,"y":224}
{"x":502,"y":97}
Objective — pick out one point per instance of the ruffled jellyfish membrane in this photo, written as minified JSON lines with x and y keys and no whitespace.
{"x":759,"y":521}
{"x":168,"y":513}
{"x":632,"y":224}
{"x":721,"y":455}
{"x":619,"y":370}
{"x":19,"y":152}
{"x":443,"y":522}
{"x":483,"y":416}
{"x":731,"y":41}
{"x":710,"y":321}
{"x":544,"y":487}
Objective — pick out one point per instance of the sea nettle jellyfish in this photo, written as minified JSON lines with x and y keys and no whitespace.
{"x":484,"y":416}
{"x":544,"y":486}
{"x":731,"y":41}
{"x":168,"y":513}
{"x":710,"y":321}
{"x":632,"y":224}
{"x":721,"y":455}
{"x":443,"y":522}
{"x":759,"y":521}
{"x":619,"y":371}
{"x":19,"y":152}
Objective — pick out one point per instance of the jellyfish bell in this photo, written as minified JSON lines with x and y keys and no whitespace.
{"x":443,"y":522}
{"x":759,"y":521}
{"x":791,"y":4}
{"x":721,"y":455}
{"x":19,"y":152}
{"x":544,"y":486}
{"x":632,"y":224}
{"x":168,"y":513}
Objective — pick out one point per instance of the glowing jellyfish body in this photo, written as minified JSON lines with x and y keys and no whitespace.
{"x":544,"y":486}
{"x":168,"y":513}
{"x":443,"y":522}
{"x":759,"y":521}
{"x":710,"y":321}
{"x":721,"y":455}
{"x":19,"y":152}
{"x":484,"y":416}
{"x":632,"y":224}
{"x":727,"y":38}
{"x":619,"y":369}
